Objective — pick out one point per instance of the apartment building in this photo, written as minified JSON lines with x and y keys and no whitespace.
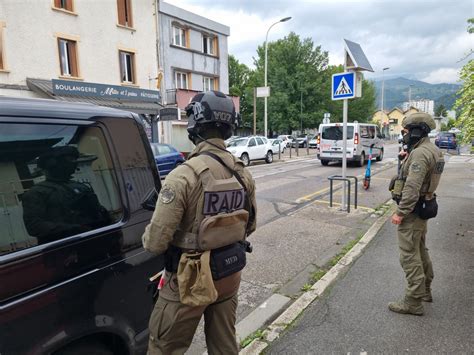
{"x":423,"y":105}
{"x":103,"y":52}
{"x":193,"y":57}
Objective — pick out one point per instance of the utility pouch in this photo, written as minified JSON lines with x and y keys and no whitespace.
{"x":396,"y":188}
{"x":227,"y":260}
{"x":196,"y":287}
{"x":222,"y":229}
{"x":426,"y":209}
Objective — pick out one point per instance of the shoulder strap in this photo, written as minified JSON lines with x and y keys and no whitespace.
{"x":239,"y":179}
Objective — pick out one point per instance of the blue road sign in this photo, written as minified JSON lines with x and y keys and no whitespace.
{"x":343,"y":86}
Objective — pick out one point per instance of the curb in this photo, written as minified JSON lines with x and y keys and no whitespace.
{"x":273,"y":331}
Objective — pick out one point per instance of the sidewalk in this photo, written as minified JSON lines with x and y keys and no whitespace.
{"x":352,"y":316}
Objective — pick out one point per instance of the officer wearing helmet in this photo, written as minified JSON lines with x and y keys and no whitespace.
{"x":59,"y":206}
{"x":414,"y":191}
{"x":204,"y":213}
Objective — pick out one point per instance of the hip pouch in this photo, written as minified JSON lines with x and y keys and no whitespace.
{"x":227,"y":260}
{"x":196,"y":287}
{"x":426,"y":209}
{"x":222,"y":229}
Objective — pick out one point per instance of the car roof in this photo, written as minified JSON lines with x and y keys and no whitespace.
{"x":45,"y":108}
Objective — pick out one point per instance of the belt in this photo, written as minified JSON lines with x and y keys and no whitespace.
{"x":185,"y":240}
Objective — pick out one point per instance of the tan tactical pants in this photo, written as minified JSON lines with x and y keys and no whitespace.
{"x":173,"y":324}
{"x":414,"y":257}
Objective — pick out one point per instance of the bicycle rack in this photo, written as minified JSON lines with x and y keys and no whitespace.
{"x":346,"y":180}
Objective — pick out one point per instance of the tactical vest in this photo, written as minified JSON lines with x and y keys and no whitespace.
{"x":430,"y":184}
{"x":221,"y":218}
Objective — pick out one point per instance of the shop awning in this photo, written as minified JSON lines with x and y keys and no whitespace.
{"x":45,"y":88}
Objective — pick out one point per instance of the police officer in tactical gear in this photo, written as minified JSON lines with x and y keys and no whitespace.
{"x":59,"y":206}
{"x":414,"y":191}
{"x":204,"y":213}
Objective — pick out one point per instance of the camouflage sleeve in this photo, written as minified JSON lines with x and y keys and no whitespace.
{"x":168,"y":213}
{"x":411,"y":190}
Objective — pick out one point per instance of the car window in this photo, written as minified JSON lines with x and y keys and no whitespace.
{"x":259,"y":141}
{"x":252,"y":142}
{"x":335,"y":132}
{"x":164,"y":149}
{"x":238,"y":143}
{"x":367,"y":132}
{"x":55,"y":181}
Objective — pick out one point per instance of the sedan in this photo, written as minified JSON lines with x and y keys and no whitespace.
{"x":275,"y":143}
{"x":166,"y":157}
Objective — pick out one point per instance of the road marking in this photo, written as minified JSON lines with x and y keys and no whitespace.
{"x":368,"y":209}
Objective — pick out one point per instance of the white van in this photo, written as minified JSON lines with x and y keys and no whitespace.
{"x":360,"y":136}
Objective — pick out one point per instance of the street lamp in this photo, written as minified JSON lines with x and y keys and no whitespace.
{"x":266,"y":51}
{"x":383,"y":87}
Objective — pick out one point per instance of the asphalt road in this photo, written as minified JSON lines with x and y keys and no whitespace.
{"x":352,"y":318}
{"x":282,"y":187}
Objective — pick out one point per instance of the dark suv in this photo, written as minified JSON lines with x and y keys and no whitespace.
{"x":77,"y":184}
{"x":446,"y":140}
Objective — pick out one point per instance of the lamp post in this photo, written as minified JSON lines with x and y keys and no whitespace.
{"x":266,"y":52}
{"x":383,"y":89}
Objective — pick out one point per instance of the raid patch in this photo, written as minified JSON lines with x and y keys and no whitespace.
{"x":223,"y":201}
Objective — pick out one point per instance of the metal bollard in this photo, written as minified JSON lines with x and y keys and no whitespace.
{"x":279,"y":151}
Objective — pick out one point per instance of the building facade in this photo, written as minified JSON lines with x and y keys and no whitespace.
{"x":423,"y":105}
{"x":193,"y":57}
{"x":390,"y":122}
{"x":77,"y":44}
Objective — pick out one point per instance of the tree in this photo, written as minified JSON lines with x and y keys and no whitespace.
{"x":441,"y":111}
{"x":296,"y":75}
{"x":465,"y":102}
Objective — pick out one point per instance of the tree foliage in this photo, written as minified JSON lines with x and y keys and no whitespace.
{"x":300,"y":80}
{"x":465,"y":100}
{"x":440,"y":111}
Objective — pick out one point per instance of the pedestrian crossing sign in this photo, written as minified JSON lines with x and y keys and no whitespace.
{"x":343,"y":86}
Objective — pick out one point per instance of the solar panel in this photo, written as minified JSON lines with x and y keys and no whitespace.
{"x":358,"y":60}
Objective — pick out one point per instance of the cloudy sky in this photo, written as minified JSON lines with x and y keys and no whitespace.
{"x":417,"y":39}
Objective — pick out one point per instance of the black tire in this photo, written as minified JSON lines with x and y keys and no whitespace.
{"x":245,"y":159}
{"x":90,"y":347}
{"x":361,"y":161}
{"x":269,"y":157}
{"x":380,"y":157}
{"x":325,"y":162}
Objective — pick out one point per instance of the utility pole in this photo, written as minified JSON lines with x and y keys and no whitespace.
{"x":301,"y":111}
{"x":254,"y":111}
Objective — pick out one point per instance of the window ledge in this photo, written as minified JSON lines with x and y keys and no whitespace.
{"x":4,"y":71}
{"x":71,"y":77}
{"x":58,"y":9}
{"x":194,"y":51}
{"x":132,"y":85}
{"x":126,"y":27}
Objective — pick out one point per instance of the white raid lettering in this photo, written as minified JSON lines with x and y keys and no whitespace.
{"x":223,"y":201}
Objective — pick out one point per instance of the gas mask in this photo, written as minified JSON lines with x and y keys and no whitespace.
{"x":413,"y":136}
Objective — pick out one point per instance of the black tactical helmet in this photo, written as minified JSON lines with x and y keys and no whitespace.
{"x":212,"y":107}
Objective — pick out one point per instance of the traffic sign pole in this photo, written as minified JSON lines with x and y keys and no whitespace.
{"x":344,"y":152}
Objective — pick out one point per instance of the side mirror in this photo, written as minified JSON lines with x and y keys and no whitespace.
{"x":149,"y":202}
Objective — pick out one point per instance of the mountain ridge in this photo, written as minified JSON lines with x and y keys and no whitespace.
{"x":396,"y":92}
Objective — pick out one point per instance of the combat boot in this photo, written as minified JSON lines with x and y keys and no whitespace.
{"x":428,"y":297}
{"x":408,"y":305}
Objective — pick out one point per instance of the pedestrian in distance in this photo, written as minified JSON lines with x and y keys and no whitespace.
{"x":205,"y":211}
{"x":414,"y":191}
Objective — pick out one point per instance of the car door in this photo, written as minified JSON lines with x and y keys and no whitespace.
{"x":252,"y":149}
{"x":262,"y":147}
{"x":165,"y":159}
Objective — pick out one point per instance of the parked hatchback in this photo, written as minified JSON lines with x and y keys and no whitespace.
{"x":167,"y":157}
{"x":446,"y":140}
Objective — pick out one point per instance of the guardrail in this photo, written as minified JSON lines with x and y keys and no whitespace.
{"x":346,"y":180}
